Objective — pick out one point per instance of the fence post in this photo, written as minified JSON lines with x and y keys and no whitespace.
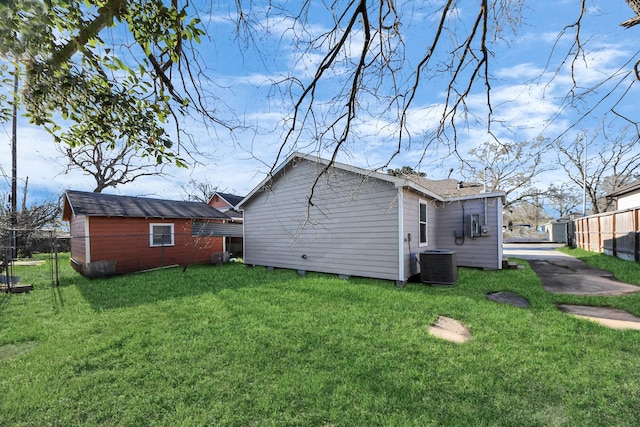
{"x":636,"y":233}
{"x":614,"y":246}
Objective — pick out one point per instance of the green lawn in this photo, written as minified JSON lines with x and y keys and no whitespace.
{"x":243,"y":346}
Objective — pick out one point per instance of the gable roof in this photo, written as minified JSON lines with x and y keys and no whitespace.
{"x":441,"y":190}
{"x":449,"y":188}
{"x":231,"y":199}
{"x":111,"y":205}
{"x":629,"y":188}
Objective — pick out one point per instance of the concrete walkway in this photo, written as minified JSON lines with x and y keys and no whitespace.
{"x":563,"y":274}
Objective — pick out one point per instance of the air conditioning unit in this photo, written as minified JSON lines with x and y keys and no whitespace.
{"x":438,"y":267}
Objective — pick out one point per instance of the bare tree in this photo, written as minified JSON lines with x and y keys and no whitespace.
{"x":563,"y":198}
{"x":199,"y":191}
{"x":511,"y":167}
{"x":600,"y":168}
{"x":110,"y":165}
{"x":362,"y":68}
{"x":29,"y":219}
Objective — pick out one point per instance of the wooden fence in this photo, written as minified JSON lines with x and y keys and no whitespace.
{"x":613,"y":233}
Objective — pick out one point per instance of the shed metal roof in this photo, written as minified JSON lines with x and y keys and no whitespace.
{"x":111,"y":205}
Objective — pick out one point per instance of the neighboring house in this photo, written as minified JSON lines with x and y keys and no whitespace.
{"x":226,"y":203}
{"x":355,"y":222}
{"x":113,"y":234}
{"x":626,"y":197}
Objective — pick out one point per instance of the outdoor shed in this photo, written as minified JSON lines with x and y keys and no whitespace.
{"x":113,"y":234}
{"x":311,"y":215}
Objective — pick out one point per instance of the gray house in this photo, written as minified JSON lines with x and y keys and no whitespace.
{"x":349,"y":221}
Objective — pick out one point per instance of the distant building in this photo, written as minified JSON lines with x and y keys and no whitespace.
{"x":627,"y":196}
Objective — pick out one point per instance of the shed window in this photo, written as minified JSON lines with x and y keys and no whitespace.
{"x":422,"y":222}
{"x":161,"y":235}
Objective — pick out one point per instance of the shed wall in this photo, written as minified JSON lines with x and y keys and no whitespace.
{"x":126,"y":241}
{"x":351,"y":227}
{"x":629,"y":201}
{"x":479,"y":252}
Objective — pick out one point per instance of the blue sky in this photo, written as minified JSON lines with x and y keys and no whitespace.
{"x":528,"y":89}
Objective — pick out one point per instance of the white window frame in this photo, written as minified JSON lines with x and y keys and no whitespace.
{"x":425,"y":222}
{"x":160,"y":224}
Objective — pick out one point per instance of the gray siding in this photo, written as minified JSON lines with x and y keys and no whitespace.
{"x":351,"y":228}
{"x":410,"y":213}
{"x":482,"y":252}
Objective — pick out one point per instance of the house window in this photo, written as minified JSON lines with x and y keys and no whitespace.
{"x":422,"y":223}
{"x":161,"y":234}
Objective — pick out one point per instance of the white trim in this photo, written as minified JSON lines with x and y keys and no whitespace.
{"x":244,"y":241}
{"x":401,"y":277}
{"x":426,"y":223}
{"x":87,"y":241}
{"x":163,"y":224}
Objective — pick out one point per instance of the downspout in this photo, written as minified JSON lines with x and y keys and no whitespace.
{"x":401,"y":277}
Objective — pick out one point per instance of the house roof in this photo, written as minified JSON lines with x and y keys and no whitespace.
{"x":442,"y":190}
{"x":449,"y":188}
{"x":629,"y":188}
{"x":111,"y":205}
{"x":231,"y":199}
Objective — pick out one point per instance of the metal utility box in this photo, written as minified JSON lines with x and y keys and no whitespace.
{"x":438,"y":267}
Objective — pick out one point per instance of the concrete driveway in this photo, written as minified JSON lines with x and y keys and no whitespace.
{"x":564,"y":274}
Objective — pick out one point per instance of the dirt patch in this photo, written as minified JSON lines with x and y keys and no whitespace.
{"x":450,"y":329}
{"x":10,"y":351}
{"x":29,"y":262}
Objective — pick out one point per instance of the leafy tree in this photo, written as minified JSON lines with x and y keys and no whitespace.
{"x":81,"y":91}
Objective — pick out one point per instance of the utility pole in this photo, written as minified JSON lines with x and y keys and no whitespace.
{"x":14,"y":165}
{"x":584,"y":178}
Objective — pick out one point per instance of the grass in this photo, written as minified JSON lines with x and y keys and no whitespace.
{"x":243,"y":346}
